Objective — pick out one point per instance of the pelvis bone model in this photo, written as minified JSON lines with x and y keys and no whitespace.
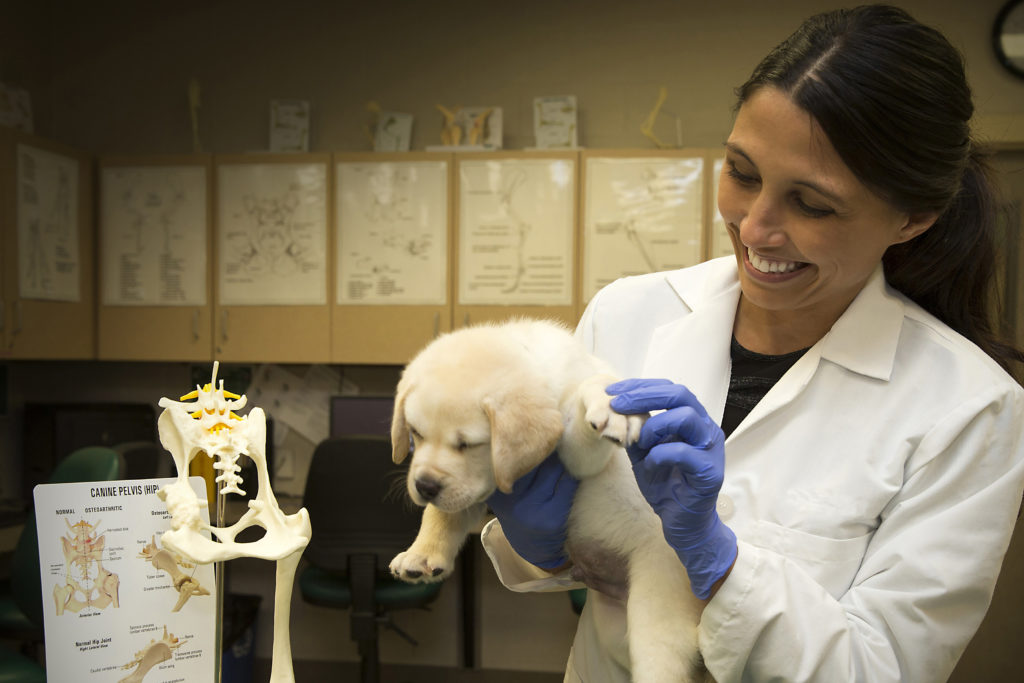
{"x":210,"y":425}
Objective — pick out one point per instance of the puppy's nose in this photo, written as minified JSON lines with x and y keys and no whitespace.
{"x":428,"y":488}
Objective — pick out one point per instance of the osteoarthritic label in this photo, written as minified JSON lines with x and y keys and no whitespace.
{"x":116,"y":604}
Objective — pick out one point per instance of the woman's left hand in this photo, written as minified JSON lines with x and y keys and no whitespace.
{"x":679,"y":464}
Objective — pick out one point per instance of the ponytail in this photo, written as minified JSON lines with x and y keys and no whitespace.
{"x":949,"y":270}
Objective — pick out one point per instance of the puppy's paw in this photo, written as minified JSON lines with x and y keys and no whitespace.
{"x":415,"y":567}
{"x":622,"y":430}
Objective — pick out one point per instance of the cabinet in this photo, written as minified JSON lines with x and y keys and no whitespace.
{"x":272,"y":242}
{"x":155,"y":259}
{"x":47,"y":250}
{"x":392,"y":256}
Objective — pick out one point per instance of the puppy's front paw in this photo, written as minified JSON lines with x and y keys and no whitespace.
{"x":415,"y":567}
{"x":622,"y":430}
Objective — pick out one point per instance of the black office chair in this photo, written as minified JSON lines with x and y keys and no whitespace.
{"x":361,"y":518}
{"x":21,"y":609}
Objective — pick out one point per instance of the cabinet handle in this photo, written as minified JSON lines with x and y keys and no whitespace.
{"x":195,"y":325}
{"x":224,"y":326}
{"x":437,"y":324}
{"x":465,"y":320}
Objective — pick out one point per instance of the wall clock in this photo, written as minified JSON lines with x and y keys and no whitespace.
{"x":1008,"y":37}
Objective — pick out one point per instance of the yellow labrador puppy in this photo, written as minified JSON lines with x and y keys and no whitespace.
{"x":485,"y":405}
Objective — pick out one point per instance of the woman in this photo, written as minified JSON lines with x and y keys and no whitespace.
{"x":852,"y":525}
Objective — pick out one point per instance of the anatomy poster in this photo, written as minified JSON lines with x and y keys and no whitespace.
{"x":392,"y":232}
{"x":516,"y":225}
{"x":47,"y":225}
{"x":117,"y":606}
{"x":641,"y":215}
{"x":153,"y":235}
{"x":272,"y":234}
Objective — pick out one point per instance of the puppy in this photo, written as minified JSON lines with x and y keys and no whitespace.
{"x":485,"y":405}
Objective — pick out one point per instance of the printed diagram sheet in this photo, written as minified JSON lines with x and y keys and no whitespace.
{"x":392,"y":232}
{"x":117,"y":606}
{"x":153,"y":235}
{"x":516,"y":232}
{"x":272,"y":236}
{"x":47,"y":225}
{"x":642,"y":215}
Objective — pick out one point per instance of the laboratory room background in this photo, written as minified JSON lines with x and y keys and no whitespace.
{"x":305,"y":193}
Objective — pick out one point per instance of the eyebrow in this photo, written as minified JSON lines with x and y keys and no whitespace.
{"x":831,"y":196}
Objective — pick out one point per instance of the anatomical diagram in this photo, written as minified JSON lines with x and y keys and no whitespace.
{"x":86,"y":582}
{"x":172,"y":563}
{"x":156,"y":652}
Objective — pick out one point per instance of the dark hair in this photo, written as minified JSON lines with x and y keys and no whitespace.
{"x":892,"y":97}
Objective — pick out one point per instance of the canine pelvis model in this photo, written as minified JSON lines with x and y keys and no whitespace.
{"x":209,"y":424}
{"x":484,"y":406}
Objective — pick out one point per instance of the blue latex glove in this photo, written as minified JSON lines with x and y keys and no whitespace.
{"x":679,"y":463}
{"x":535,"y":515}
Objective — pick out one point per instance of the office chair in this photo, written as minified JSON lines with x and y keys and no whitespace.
{"x":17,"y":668}
{"x":144,"y":460}
{"x":21,"y":608}
{"x":361,"y":518}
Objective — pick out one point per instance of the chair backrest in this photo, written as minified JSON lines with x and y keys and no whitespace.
{"x":144,"y":460}
{"x":92,"y":463}
{"x":357,"y":502}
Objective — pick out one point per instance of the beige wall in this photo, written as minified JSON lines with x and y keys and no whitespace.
{"x":116,"y":82}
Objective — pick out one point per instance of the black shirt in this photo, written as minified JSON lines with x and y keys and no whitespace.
{"x":753,"y":374}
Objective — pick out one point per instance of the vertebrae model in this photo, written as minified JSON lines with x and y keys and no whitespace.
{"x":210,"y":425}
{"x":86,"y":582}
{"x":164,"y":560}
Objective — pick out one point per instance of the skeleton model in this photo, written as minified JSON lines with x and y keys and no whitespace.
{"x":86,"y":582}
{"x":145,"y":659}
{"x":165,"y":560}
{"x":209,"y":424}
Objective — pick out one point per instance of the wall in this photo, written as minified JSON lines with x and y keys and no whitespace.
{"x":118,"y":80}
{"x":112,"y":78}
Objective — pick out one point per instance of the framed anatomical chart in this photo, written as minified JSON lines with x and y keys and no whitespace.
{"x":393,"y":231}
{"x":516,"y":235}
{"x":642,"y":212}
{"x":155,"y":244}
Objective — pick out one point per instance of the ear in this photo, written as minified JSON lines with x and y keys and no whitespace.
{"x":399,"y":428}
{"x":916,"y":224}
{"x":525,"y":428}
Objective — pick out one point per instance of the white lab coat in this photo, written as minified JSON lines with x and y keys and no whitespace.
{"x":873,"y":490}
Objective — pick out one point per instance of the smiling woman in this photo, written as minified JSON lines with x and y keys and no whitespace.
{"x":842,"y":478}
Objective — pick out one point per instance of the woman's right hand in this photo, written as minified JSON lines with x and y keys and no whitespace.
{"x":535,"y":515}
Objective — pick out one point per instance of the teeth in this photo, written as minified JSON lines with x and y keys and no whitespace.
{"x":766,"y":266}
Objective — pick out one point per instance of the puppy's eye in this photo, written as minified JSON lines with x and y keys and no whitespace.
{"x":462,"y":445}
{"x":415,"y":435}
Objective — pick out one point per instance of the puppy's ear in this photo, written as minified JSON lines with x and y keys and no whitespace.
{"x":399,"y":428}
{"x":525,"y":428}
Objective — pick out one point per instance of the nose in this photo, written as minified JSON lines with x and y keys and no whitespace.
{"x":761,"y":226}
{"x":428,"y":488}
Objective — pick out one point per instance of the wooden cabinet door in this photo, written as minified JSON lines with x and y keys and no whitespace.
{"x":155,"y":299}
{"x":48,"y":252}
